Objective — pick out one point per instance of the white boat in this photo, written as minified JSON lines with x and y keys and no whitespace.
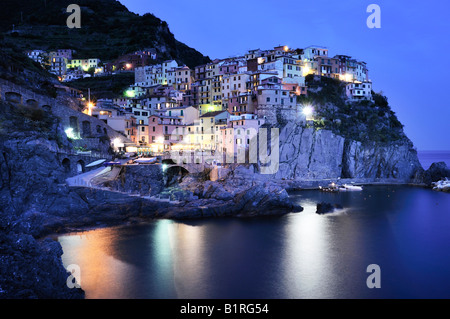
{"x":348,"y":187}
{"x":145,"y":160}
{"x":96,"y":163}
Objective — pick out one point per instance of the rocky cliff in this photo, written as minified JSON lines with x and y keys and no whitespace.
{"x":307,"y":153}
{"x":353,"y":140}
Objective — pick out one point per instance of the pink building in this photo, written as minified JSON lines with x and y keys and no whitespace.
{"x":165,"y":131}
{"x":295,"y":88}
{"x":240,"y":133}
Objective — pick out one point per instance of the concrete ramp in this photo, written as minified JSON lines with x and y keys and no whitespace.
{"x":84,"y":179}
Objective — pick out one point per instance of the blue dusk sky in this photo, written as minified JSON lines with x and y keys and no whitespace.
{"x":407,"y":57}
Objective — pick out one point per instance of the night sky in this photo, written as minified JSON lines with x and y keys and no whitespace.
{"x":407,"y":57}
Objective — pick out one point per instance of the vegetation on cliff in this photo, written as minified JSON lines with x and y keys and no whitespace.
{"x":364,"y":121}
{"x":107,"y":31}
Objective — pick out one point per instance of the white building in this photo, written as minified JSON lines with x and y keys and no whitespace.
{"x":38,"y":56}
{"x":357,"y":91}
{"x":311,"y":52}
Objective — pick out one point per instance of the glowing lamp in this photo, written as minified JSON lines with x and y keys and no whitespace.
{"x":130,"y":93}
{"x":117,"y":143}
{"x":70,"y":134}
{"x":308,"y":111}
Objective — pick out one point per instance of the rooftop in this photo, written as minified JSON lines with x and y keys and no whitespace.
{"x":212,"y":114}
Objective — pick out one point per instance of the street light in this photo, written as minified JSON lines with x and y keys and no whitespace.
{"x":308,"y":111}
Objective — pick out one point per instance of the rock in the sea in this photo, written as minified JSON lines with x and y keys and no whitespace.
{"x":265,"y":199}
{"x":324,"y":208}
{"x":436,"y":172}
{"x":442,"y":185}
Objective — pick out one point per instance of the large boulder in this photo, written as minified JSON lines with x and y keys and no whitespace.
{"x":33,"y":269}
{"x":436,"y":172}
{"x":325,"y":208}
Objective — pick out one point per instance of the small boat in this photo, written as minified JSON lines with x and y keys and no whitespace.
{"x":96,"y":163}
{"x":145,"y":160}
{"x":347,"y":187}
{"x":331,"y":188}
{"x":111,"y":163}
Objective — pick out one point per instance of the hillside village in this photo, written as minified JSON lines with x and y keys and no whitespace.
{"x":216,"y":106}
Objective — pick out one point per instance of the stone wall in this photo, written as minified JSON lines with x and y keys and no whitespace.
{"x":145,"y":180}
{"x":276,"y":114}
{"x":93,"y":132}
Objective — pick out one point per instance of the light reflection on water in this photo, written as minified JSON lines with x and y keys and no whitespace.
{"x":405,"y":230}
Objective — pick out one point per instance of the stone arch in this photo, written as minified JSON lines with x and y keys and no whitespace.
{"x":73,"y":122}
{"x":99,"y":129}
{"x":32,"y":102}
{"x":81,"y":167}
{"x":175,"y":174}
{"x":13,"y":97}
{"x":66,"y":165}
{"x":47,"y":107}
{"x":168,"y":161}
{"x":177,"y":170}
{"x":86,"y":128}
{"x":105,"y":131}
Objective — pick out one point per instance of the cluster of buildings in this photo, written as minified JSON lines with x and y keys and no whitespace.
{"x":61,"y":63}
{"x":222,"y":104}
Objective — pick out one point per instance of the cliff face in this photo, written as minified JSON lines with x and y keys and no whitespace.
{"x":375,"y":160}
{"x":306,"y":153}
{"x":309,"y":154}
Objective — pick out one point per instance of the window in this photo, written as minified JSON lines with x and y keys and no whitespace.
{"x":268,"y":99}
{"x":143,"y":129}
{"x":154,"y":129}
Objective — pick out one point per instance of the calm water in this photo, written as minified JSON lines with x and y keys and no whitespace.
{"x":427,"y":158}
{"x":405,"y":230}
